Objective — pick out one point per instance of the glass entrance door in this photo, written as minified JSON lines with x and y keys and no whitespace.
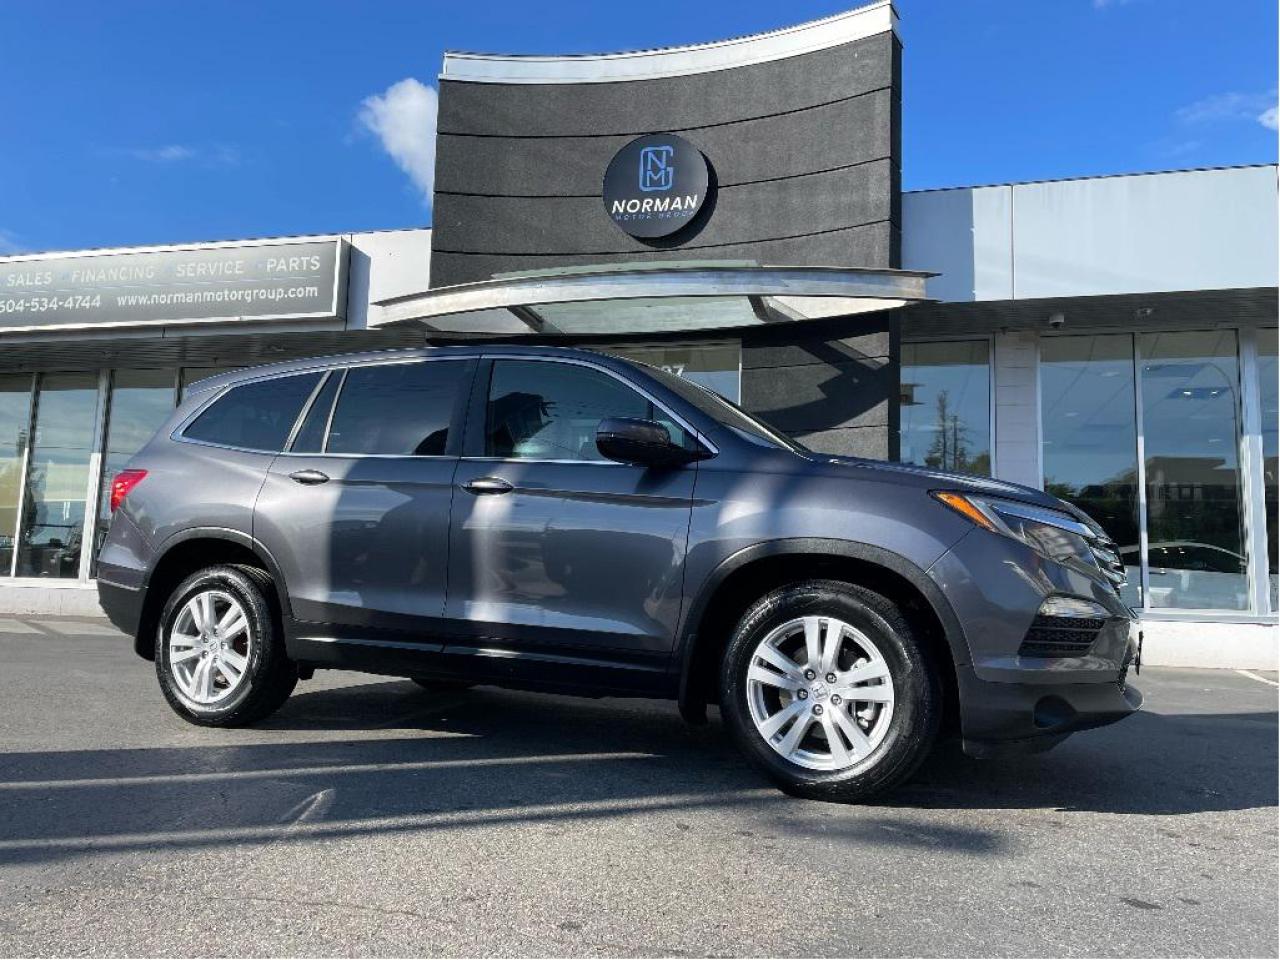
{"x":57,"y":481}
{"x":1144,"y":432}
{"x":1190,"y":417}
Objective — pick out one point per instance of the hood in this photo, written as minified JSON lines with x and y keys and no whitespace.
{"x":907,"y":473}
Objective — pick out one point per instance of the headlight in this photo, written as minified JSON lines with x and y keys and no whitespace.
{"x":1055,"y":535}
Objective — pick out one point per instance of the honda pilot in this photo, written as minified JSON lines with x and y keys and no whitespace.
{"x":558,"y":520}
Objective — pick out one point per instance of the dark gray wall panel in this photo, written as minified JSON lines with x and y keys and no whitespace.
{"x":855,"y":245}
{"x":804,"y":150}
{"x":820,"y":395}
{"x":826,"y":137}
{"x":832,"y":384}
{"x":874,"y":344}
{"x":817,"y":203}
{"x":669,"y":104}
{"x":872,"y":443}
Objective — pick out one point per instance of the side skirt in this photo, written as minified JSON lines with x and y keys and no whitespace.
{"x":489,"y":663}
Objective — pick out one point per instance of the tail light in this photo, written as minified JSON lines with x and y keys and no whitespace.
{"x":124,"y":481}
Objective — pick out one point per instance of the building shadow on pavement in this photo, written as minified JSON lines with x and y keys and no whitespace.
{"x":386,"y":756}
{"x":1150,"y":763}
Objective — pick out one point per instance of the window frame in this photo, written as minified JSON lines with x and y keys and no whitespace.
{"x":341,"y":374}
{"x":474,"y":444}
{"x":457,"y":419}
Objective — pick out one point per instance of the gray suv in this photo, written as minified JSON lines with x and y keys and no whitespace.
{"x":555,"y":519}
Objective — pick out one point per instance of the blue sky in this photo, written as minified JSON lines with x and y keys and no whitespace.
{"x":147,"y":122}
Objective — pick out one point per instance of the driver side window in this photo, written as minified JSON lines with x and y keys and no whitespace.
{"x":544,"y":410}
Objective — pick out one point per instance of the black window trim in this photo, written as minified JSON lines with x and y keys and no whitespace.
{"x":479,"y":411}
{"x":306,"y":408}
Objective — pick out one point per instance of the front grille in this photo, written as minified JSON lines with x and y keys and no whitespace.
{"x":1107,"y":555}
{"x":1060,"y":636}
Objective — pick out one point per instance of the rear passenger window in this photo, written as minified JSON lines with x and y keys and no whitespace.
{"x":255,"y":416}
{"x":401,"y":409}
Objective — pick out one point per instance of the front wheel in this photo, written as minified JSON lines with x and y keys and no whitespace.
{"x":826,"y":689}
{"x":220,"y":658}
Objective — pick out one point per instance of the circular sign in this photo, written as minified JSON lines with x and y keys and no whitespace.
{"x":655,"y":185}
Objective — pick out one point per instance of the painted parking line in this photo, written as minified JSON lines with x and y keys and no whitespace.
{"x":17,"y":626}
{"x":80,"y":628}
{"x":1253,"y":676}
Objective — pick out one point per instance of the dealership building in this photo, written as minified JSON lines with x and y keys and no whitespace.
{"x":733,"y":211}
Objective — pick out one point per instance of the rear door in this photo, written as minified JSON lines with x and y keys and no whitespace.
{"x":557,"y":552}
{"x":356,"y":511}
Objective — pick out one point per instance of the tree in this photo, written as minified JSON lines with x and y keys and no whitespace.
{"x":950,"y":447}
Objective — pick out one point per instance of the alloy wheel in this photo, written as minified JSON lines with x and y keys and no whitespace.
{"x":820,"y":693}
{"x":209,"y":646}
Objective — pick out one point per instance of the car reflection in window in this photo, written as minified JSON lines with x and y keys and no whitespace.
{"x":1195,"y":575}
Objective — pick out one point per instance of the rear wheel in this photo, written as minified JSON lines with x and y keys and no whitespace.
{"x":827,"y":690}
{"x":220,"y":658}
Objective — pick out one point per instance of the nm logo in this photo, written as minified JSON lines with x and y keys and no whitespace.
{"x":655,"y":185}
{"x":657,"y":168}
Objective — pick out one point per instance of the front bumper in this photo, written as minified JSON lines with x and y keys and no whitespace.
{"x":1011,"y":719}
{"x":1012,"y":702}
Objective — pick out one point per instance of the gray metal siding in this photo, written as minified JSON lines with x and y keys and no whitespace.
{"x":1100,"y":236}
{"x":804,"y":151}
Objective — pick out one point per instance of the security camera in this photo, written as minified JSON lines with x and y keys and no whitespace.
{"x":1057,"y":320}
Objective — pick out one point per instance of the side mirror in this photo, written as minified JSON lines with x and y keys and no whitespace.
{"x":642,"y":442}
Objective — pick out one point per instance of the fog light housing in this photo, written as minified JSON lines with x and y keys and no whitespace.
{"x":1062,"y":606}
{"x":1064,"y":627}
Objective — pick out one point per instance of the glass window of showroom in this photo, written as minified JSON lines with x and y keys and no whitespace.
{"x":1146,"y":432}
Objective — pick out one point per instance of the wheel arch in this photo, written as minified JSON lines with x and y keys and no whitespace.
{"x":744,"y":577}
{"x":191,"y":550}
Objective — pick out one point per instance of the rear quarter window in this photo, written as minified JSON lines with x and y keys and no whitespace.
{"x":254,"y":416}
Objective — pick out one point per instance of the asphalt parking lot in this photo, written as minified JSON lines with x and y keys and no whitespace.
{"x":371,"y":818}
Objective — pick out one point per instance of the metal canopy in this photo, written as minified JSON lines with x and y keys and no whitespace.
{"x":653,"y":298}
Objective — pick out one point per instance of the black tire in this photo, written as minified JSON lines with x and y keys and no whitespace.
{"x":911,"y":728}
{"x":441,"y":686}
{"x":270,"y":675}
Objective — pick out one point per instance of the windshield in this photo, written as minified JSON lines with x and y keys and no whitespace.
{"x":722,"y":411}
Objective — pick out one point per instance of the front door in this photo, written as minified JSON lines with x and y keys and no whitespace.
{"x":356,"y":512}
{"x":555,"y":550}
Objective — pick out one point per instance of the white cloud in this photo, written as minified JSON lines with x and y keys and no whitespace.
{"x":167,"y":154}
{"x":214,"y":155}
{"x":1270,"y":118}
{"x":1103,"y":4}
{"x":403,"y":117}
{"x":9,"y":242}
{"x":1259,"y":107}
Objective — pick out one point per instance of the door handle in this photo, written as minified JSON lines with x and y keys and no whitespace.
{"x":309,"y":477}
{"x":487,"y":485}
